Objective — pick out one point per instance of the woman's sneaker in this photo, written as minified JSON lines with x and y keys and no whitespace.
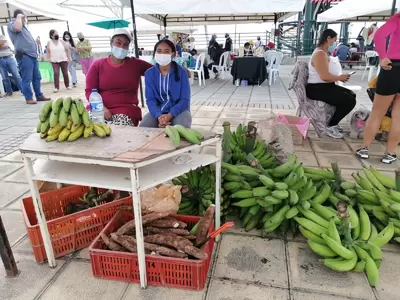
{"x":362,"y":153}
{"x":334,"y":132}
{"x":388,"y":158}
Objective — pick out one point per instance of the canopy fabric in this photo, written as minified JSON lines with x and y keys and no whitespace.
{"x":213,"y":7}
{"x":356,"y":10}
{"x":110,"y":23}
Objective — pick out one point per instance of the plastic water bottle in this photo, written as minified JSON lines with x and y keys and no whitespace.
{"x":96,"y":107}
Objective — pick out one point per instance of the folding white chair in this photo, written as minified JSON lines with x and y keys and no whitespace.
{"x":274,"y":59}
{"x":224,"y":64}
{"x":369,"y":54}
{"x":199,"y":69}
{"x":186,"y":55}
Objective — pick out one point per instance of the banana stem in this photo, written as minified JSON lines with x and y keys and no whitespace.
{"x":338,"y":176}
{"x":251,"y":135}
{"x":253,"y":161}
{"x":397,"y":177}
{"x":344,"y":226}
{"x":226,"y":137}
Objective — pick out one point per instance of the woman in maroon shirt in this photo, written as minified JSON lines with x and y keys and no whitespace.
{"x":117,"y":80}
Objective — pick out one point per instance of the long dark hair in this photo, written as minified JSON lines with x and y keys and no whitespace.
{"x":327,"y":33}
{"x":51,"y":32}
{"x":71,"y":40}
{"x":173,"y":50}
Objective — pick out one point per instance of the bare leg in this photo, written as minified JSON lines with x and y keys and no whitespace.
{"x":379,"y":109}
{"x":394,"y":134}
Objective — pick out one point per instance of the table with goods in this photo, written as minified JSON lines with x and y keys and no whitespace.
{"x":252,"y":69}
{"x":249,"y":180}
{"x":69,"y":148}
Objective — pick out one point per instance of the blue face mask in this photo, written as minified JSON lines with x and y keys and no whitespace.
{"x":119,"y":53}
{"x":333,"y":47}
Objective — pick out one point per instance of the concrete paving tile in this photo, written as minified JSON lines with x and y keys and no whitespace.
{"x":306,"y":147}
{"x":218,"y":129}
{"x":313,"y":136}
{"x":84,"y":253}
{"x":77,"y":282}
{"x":203,"y":121}
{"x":356,"y":141}
{"x":252,"y":259}
{"x":202,"y":128}
{"x":20,"y":130}
{"x":236,"y":122}
{"x":12,"y":122}
{"x":152,"y":292}
{"x":4,"y":136}
{"x":238,"y":228}
{"x":373,"y":149}
{"x":308,"y":159}
{"x":258,"y":111}
{"x":18,"y":176}
{"x":375,"y":161}
{"x":232,"y":115}
{"x":210,"y":108}
{"x":13,"y":157}
{"x":345,"y":161}
{"x":7,"y":168}
{"x":389,"y":288}
{"x":227,"y":290}
{"x":316,"y":296}
{"x":306,"y":272}
{"x":23,"y":246}
{"x":31,"y":123}
{"x":11,"y":191}
{"x":206,"y":114}
{"x":31,"y":280}
{"x":234,"y":109}
{"x":14,"y":224}
{"x":331,"y":147}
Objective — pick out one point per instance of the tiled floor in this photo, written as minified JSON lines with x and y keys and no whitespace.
{"x":246,"y":267}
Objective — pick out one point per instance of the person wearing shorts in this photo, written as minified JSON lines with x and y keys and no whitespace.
{"x":387,"y":90}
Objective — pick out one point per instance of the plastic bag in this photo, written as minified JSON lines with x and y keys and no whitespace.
{"x":164,"y":198}
{"x":277,"y":136}
{"x":372,"y":83}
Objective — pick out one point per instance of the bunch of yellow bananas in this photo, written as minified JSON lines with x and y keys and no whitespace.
{"x":67,"y":120}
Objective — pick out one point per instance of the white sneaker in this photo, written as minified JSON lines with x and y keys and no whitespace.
{"x":334,"y":132}
{"x":55,"y":91}
{"x":69,"y":88}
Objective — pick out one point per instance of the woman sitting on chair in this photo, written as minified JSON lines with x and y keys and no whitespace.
{"x":167,"y":90}
{"x":321,"y":83}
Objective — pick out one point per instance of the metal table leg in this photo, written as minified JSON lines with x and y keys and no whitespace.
{"x":39,"y":212}
{"x":218,"y":187}
{"x":138,"y":226}
{"x":6,"y":253}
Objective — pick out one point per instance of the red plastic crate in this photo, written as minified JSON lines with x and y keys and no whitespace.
{"x":68,"y":233}
{"x":161,"y":271}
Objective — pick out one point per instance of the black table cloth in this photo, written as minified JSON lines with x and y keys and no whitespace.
{"x":252,"y":69}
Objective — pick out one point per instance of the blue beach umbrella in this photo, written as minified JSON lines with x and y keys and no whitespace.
{"x":110,"y":23}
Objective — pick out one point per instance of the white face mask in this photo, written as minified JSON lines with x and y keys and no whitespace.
{"x":163,"y":59}
{"x":67,"y":38}
{"x":119,"y":53}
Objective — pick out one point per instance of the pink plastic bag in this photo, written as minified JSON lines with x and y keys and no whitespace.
{"x":302,"y":123}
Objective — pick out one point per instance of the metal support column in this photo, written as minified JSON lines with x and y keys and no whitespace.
{"x":6,"y":252}
{"x":308,"y":32}
{"x":298,"y":40}
{"x":344,"y":33}
{"x":135,"y":41}
{"x":275,"y":21}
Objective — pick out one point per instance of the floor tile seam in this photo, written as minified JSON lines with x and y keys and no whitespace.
{"x":213,"y":267}
{"x":285,"y":243}
{"x":252,"y":283}
{"x":9,"y":174}
{"x":312,"y":291}
{"x":53,"y":279}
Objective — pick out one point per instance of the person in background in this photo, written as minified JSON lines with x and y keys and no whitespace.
{"x":167,"y":90}
{"x":342,"y":52}
{"x":58,"y":54}
{"x":73,"y":58}
{"x":228,"y":43}
{"x":116,"y":78}
{"x":247,"y":49}
{"x":39,"y":46}
{"x":8,"y":64}
{"x":192,"y":45}
{"x":353,"y":48}
{"x":258,"y":43}
{"x":84,"y":48}
{"x":322,"y":83}
{"x":387,"y":90}
{"x":211,"y":44}
{"x":26,"y":54}
{"x":271,"y":46}
{"x":353,"y":53}
{"x":215,"y":58}
{"x":179,"y":46}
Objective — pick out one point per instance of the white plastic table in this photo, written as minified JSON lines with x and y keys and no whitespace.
{"x":131,"y":159}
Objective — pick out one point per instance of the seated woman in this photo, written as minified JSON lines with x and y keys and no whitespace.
{"x":321,"y":82}
{"x":116,"y":78}
{"x":167,"y":90}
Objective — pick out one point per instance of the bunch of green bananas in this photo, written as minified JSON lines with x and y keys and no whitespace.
{"x":176,"y":132}
{"x":67,"y":119}
{"x":198,"y":192}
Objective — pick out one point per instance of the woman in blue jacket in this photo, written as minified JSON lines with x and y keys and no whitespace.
{"x":167,"y":90}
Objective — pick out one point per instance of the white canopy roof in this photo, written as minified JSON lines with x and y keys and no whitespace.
{"x":358,"y":10}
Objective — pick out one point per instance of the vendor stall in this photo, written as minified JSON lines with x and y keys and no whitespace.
{"x":131,"y":159}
